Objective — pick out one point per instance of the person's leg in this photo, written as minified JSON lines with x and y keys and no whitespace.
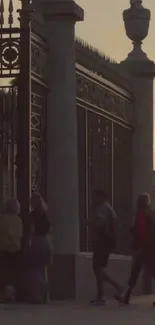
{"x":99,"y":284}
{"x":136,"y":267}
{"x":150,"y":264}
{"x":98,"y":272}
{"x":111,"y":281}
{"x":3,"y":275}
{"x":38,"y":258}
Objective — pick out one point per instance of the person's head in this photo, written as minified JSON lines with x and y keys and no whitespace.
{"x":12,"y":206}
{"x":38,"y":203}
{"x":144,"y":200}
{"x":100,"y":196}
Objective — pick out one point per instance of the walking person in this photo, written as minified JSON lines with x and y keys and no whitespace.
{"x":103,"y":228}
{"x":143,"y":243}
{"x":11,"y":232}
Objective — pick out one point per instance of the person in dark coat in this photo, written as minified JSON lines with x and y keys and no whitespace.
{"x":104,"y":243}
{"x":143,"y":243}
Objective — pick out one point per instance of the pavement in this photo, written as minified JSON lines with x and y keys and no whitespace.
{"x":140,"y":312}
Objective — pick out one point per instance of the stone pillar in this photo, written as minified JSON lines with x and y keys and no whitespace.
{"x":142,"y":81}
{"x":62,"y":156}
{"x":142,"y":73}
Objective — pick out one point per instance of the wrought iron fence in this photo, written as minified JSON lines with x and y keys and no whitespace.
{"x":105,"y":115}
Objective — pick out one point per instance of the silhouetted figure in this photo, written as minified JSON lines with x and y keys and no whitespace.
{"x":104,"y":242}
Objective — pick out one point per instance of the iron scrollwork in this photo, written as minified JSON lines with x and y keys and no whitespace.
{"x":9,"y":42}
{"x":38,"y":60}
{"x":37,"y":141}
{"x":96,"y":94}
{"x":9,"y":54}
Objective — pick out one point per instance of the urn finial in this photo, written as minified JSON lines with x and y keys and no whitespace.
{"x":136,"y":21}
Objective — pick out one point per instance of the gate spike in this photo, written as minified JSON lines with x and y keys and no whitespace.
{"x":10,"y":19}
{"x":1,"y":13}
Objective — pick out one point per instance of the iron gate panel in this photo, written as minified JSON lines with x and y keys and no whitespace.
{"x":109,"y":116}
{"x":8,"y":143}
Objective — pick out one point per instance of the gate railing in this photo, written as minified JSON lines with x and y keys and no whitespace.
{"x":9,"y":72}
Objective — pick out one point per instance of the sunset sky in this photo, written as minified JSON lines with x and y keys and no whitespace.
{"x":103,"y":27}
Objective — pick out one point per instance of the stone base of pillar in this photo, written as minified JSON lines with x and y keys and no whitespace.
{"x":71,"y":277}
{"x":62,"y":277}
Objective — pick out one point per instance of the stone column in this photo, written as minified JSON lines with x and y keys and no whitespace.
{"x":142,"y":73}
{"x":62,"y":156}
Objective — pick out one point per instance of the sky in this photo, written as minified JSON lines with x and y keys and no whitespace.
{"x":103,"y":27}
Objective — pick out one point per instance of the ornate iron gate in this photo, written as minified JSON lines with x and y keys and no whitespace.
{"x":105,"y":152}
{"x":23,"y":105}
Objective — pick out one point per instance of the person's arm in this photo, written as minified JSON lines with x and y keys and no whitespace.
{"x":30,"y":230}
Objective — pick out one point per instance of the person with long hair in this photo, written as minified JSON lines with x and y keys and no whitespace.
{"x":39,"y":249}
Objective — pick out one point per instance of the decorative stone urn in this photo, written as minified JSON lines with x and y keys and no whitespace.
{"x":136,"y":21}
